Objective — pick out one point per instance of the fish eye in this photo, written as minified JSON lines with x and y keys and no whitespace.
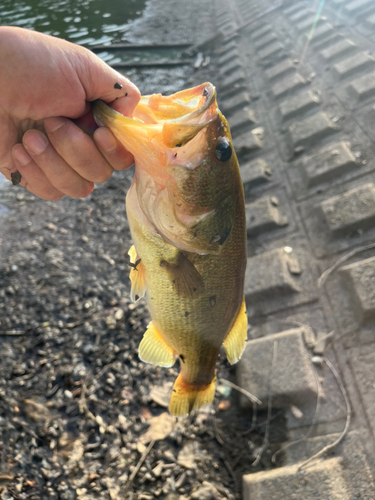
{"x":223,"y":151}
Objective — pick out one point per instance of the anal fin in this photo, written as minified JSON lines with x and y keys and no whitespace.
{"x":187,"y":397}
{"x":153,"y":348}
{"x":137,"y":276}
{"x":234,"y":343}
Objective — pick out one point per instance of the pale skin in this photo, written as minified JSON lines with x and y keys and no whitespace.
{"x":45,"y":83}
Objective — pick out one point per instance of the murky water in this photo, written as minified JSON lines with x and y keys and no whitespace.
{"x":86,"y":22}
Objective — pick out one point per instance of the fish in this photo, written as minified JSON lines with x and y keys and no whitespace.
{"x":186,"y":214}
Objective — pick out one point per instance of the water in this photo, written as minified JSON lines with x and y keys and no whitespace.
{"x":85,"y":22}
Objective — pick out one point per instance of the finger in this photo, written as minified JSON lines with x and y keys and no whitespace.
{"x":124,"y":105}
{"x":55,"y":168}
{"x":32,"y":176}
{"x":115,"y":153}
{"x":103,"y":82}
{"x":77,"y":149}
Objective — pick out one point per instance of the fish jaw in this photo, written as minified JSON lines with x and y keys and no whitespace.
{"x":142,"y":141}
{"x":160,"y":124}
{"x":168,"y":137}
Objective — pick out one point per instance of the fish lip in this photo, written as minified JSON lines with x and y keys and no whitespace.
{"x":100,"y":108}
{"x":207,"y":90}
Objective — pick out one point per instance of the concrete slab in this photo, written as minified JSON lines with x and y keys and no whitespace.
{"x":324,"y":30}
{"x":280,"y":70}
{"x":235,"y":78}
{"x":338,"y":50}
{"x":269,"y":274}
{"x":359,"y":278}
{"x":357,"y":7}
{"x":235,"y":103}
{"x":261,"y":32}
{"x":254,"y":174}
{"x":300,"y":15}
{"x":268,"y":39}
{"x":356,"y":471}
{"x":308,"y":132}
{"x":264,"y":215}
{"x":355,"y":324}
{"x":352,"y":65}
{"x":352,"y":211}
{"x":288,"y":86}
{"x":326,"y":166}
{"x":270,"y":51}
{"x":242,"y":120}
{"x":247,"y":143}
{"x":362,"y":88}
{"x":279,"y":278}
{"x":298,"y":105}
{"x":328,"y":163}
{"x":231,"y":66}
{"x":341,"y":221}
{"x":322,"y":480}
{"x":362,"y":361}
{"x":293,"y":380}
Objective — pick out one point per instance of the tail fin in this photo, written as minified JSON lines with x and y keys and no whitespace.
{"x":186,"y":397}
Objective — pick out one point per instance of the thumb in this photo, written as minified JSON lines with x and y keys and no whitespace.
{"x":100,"y":81}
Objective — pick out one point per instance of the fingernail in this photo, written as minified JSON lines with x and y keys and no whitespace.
{"x":105,"y":139}
{"x":35,"y":142}
{"x":52,"y":124}
{"x":20,"y":155}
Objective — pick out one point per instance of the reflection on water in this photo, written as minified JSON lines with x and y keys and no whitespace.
{"x":86,"y":22}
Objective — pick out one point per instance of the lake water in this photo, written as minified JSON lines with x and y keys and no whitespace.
{"x":85,"y":22}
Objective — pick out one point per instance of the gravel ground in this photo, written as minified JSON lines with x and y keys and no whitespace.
{"x":80,"y":415}
{"x":77,"y":407}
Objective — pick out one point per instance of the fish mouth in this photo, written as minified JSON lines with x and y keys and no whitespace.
{"x":160,"y":123}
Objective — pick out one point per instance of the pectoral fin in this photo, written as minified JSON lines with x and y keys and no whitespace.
{"x":234,"y":343}
{"x":184,"y":276}
{"x":153,"y":348}
{"x":136,"y":275}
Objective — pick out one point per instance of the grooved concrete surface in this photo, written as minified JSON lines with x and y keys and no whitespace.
{"x":298,"y":87}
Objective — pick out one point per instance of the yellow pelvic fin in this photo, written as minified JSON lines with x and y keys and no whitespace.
{"x":153,"y":348}
{"x":186,"y":397}
{"x":234,"y":343}
{"x":137,"y":276}
{"x":185,"y":278}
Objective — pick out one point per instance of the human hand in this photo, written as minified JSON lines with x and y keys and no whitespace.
{"x":46,"y":83}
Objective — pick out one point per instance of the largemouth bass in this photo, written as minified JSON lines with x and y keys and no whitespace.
{"x":187,"y":220}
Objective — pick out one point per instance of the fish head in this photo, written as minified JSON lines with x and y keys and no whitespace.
{"x":187,"y":175}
